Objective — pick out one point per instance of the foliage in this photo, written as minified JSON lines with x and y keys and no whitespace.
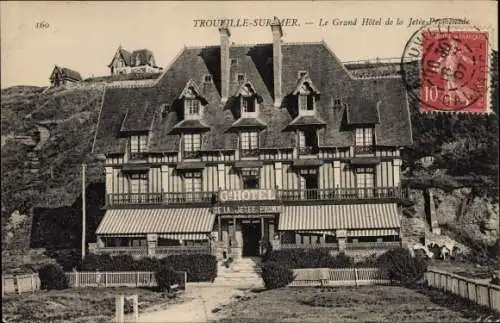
{"x":402,"y":267}
{"x":66,"y":258}
{"x":276,"y":275}
{"x":165,"y":277}
{"x":197,"y":267}
{"x":309,"y":258}
{"x":52,"y":277}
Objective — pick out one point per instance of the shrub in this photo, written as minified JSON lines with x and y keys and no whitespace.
{"x":276,"y":275}
{"x":198,"y":267}
{"x":309,"y":258}
{"x":402,"y":267}
{"x":66,"y":258}
{"x":165,"y":277}
{"x":52,"y":277}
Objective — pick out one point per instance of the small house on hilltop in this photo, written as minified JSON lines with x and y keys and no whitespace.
{"x":139,"y":61}
{"x":64,"y":76}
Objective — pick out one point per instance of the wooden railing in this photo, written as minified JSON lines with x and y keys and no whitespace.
{"x":249,"y":153}
{"x":163,"y":251}
{"x":138,"y":156}
{"x":364,"y":149}
{"x":373,"y":245}
{"x":160,"y":198}
{"x":134,"y":251}
{"x":191,"y":154}
{"x":484,"y":294}
{"x":337,"y":194}
{"x":343,"y":194}
{"x":333,"y":246}
{"x":339,"y":277}
{"x":119,"y":279}
{"x":308,"y":150}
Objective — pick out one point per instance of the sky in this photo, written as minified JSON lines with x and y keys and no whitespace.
{"x":84,"y":36}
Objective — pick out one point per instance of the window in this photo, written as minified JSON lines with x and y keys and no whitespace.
{"x":364,"y":140}
{"x":308,"y":142}
{"x":364,"y":179}
{"x":309,"y":183}
{"x":250,"y":178}
{"x":306,"y":102}
{"x":337,"y":102}
{"x":192,"y":108}
{"x":247,"y":105}
{"x":138,"y":145}
{"x":240,"y":78}
{"x":192,"y":185}
{"x":192,"y":143}
{"x":249,"y":140}
{"x":302,"y":74}
{"x":138,"y":183}
{"x":207,"y":78}
{"x":234,"y":61}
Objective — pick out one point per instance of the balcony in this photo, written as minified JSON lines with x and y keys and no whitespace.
{"x":308,"y":150}
{"x":160,"y":198}
{"x":249,"y":153}
{"x":191,"y":154}
{"x":364,"y":150}
{"x":343,"y":194}
{"x":209,"y":198}
{"x":137,"y":156}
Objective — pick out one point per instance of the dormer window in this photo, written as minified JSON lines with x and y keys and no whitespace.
{"x":192,"y":145}
{"x":247,"y":105}
{"x":301,"y":74}
{"x":240,"y":78}
{"x":192,"y":109}
{"x":337,"y":102}
{"x":307,"y":94}
{"x":207,"y":78}
{"x":192,"y":101}
{"x":138,"y":146}
{"x":364,"y":140}
{"x":249,"y":143}
{"x":308,"y":142}
{"x":249,"y":101}
{"x":234,"y":62}
{"x":306,"y":102}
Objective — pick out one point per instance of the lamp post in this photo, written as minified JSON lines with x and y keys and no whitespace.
{"x":84,"y":166}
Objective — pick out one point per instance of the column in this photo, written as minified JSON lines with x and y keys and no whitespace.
{"x":152,"y":241}
{"x":278,"y":174}
{"x":336,"y":174}
{"x":109,"y":179}
{"x":221,"y":172}
{"x":396,"y":168}
{"x":342,"y":239}
{"x":262,"y":235}
{"x":164,"y":179}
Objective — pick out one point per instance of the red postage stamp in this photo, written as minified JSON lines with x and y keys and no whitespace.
{"x":452,"y":73}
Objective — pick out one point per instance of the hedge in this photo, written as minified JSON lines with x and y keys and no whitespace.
{"x":198,"y":267}
{"x":309,"y":258}
{"x":276,"y":275}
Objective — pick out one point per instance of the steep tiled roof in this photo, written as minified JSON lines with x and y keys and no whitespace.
{"x":67,"y":73}
{"x":142,"y":56}
{"x":255,"y":62}
{"x":363,"y":111}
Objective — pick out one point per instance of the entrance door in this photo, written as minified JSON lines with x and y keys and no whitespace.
{"x":251,"y":237}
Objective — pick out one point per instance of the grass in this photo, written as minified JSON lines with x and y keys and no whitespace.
{"x":362,"y":304}
{"x":74,"y":305}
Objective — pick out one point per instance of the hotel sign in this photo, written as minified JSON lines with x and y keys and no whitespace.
{"x":246,"y":209}
{"x":247,"y":195}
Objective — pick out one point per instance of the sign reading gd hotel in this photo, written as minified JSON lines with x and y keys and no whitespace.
{"x":247,"y":195}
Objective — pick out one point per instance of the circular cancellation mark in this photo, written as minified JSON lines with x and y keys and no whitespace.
{"x":445,"y":67}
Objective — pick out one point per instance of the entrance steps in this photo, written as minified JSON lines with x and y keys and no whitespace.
{"x":243,"y":272}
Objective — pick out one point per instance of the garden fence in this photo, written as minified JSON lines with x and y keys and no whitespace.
{"x":20,"y":283}
{"x":484,"y":294}
{"x":119,"y":279}
{"x":339,"y":277}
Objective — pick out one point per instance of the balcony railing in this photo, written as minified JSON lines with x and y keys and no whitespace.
{"x":191,"y":154}
{"x":364,"y":149}
{"x":338,"y":194}
{"x":163,"y":251}
{"x":373,"y":245}
{"x":249,"y":153}
{"x":308,"y":150}
{"x":332,"y":246}
{"x":137,"y":156}
{"x":343,"y":194}
{"x":160,"y":198}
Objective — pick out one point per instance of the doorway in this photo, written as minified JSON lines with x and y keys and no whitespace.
{"x":252,"y":235}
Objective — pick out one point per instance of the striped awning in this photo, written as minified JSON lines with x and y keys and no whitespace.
{"x":340,"y":216}
{"x":372,"y":232}
{"x":161,"y":221}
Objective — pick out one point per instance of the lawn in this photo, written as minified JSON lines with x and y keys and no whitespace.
{"x":346,"y":304}
{"x":73,"y":305}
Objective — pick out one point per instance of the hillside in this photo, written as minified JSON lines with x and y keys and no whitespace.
{"x":455,"y":156}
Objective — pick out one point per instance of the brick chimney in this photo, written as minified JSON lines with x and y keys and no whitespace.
{"x":277,"y":60}
{"x":224,"y":61}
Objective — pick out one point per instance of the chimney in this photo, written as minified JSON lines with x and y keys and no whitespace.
{"x":277,"y":60}
{"x":224,"y":61}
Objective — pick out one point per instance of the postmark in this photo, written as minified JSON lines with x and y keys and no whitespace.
{"x":445,"y":67}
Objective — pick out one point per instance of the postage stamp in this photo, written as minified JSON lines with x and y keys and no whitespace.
{"x":453,"y":64}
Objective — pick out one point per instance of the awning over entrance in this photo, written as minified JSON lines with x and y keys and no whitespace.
{"x":340,"y":217}
{"x":165,"y":222}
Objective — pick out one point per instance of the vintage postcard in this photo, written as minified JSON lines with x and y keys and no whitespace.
{"x":267,"y":161}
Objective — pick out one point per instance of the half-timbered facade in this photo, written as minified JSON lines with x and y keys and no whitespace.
{"x":239,"y":147}
{"x":138,"y":61}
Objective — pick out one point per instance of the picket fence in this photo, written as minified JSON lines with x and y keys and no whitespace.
{"x":118,"y":279}
{"x":339,"y":277}
{"x":484,"y":294}
{"x":19,"y":284}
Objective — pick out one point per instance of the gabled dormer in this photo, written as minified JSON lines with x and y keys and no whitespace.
{"x":193,"y":101}
{"x":307,"y":95}
{"x":248,"y":100}
{"x":362,"y":116}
